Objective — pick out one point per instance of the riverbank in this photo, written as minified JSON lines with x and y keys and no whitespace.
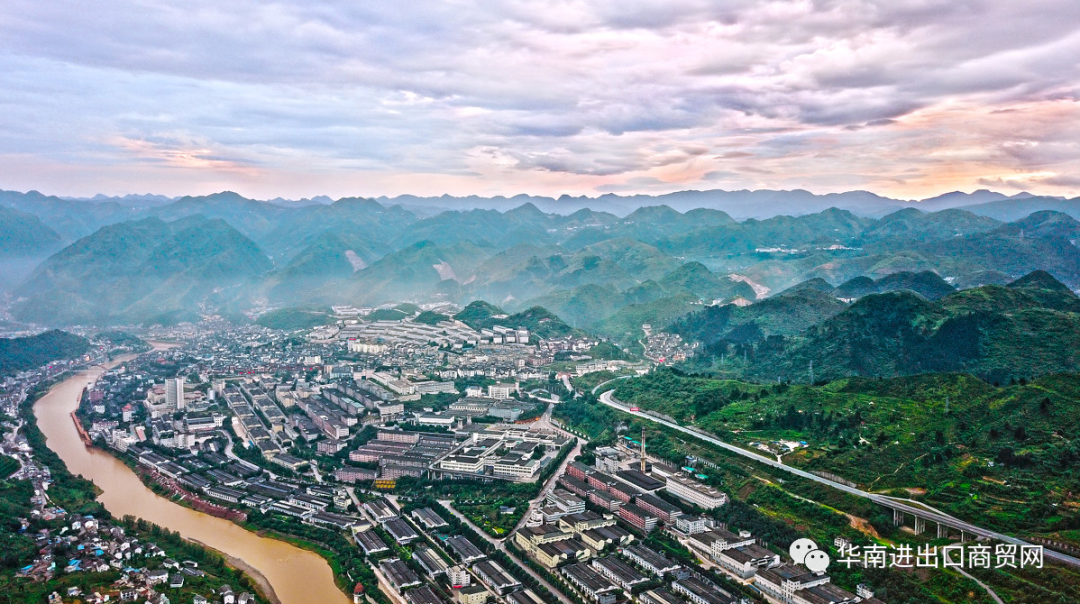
{"x":293,"y":575}
{"x":266,"y":590}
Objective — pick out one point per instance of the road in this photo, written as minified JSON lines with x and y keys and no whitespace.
{"x":228,"y":445}
{"x":501,"y":546}
{"x":549,"y":485}
{"x":231,"y":454}
{"x":545,"y":422}
{"x":989,"y":592}
{"x":609,"y":399}
{"x":602,"y":384}
{"x":356,"y":501}
{"x":569,"y":386}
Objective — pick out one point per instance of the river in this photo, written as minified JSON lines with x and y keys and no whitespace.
{"x":294,"y":575}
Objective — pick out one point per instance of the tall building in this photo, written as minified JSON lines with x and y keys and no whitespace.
{"x":174,"y":393}
{"x":501,"y":391}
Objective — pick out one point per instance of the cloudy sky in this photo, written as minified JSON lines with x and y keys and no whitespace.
{"x":908,"y":98}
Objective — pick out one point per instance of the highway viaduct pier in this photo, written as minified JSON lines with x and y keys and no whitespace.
{"x":943,"y":528}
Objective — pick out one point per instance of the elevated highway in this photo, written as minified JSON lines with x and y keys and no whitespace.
{"x":900,"y":508}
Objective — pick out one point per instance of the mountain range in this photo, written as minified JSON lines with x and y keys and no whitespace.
{"x":144,"y":258}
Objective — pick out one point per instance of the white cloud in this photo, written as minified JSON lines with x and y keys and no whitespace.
{"x":306,"y":97}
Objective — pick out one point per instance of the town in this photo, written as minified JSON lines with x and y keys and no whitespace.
{"x":345,"y":430}
{"x":97,"y":559}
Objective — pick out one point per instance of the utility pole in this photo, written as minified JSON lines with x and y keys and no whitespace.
{"x":643,"y":449}
{"x":946,"y":404}
{"x":811,"y":372}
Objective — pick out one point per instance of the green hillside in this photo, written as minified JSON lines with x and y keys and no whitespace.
{"x":925,"y":283}
{"x":955,"y":441}
{"x":479,"y":314}
{"x":1029,"y":328}
{"x":21,"y":354}
{"x":134,"y":271}
{"x":541,"y":322}
{"x":786,"y":314}
{"x":695,"y":279}
{"x":389,"y":314}
{"x":293,"y":319}
{"x":430,"y":318}
{"x":582,"y":306}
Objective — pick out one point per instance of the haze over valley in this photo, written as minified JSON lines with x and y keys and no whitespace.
{"x":649,"y":302}
{"x":146,"y":260}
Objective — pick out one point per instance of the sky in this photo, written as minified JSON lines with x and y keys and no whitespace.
{"x":906,"y":98}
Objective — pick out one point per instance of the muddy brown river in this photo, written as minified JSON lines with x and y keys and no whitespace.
{"x":295,"y":576}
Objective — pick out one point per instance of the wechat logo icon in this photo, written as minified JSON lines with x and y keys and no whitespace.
{"x":806,"y":552}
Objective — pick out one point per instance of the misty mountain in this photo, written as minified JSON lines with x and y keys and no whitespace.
{"x":362,"y":222}
{"x":70,"y":219}
{"x":24,"y":242}
{"x":525,"y":272}
{"x":420,"y":270}
{"x":1044,"y":240}
{"x":1016,"y":208}
{"x":740,"y":204}
{"x":140,"y":271}
{"x":832,"y":227}
{"x":24,"y":234}
{"x":137,"y":201}
{"x":651,"y":224}
{"x":903,"y":227}
{"x":695,"y":279}
{"x":619,"y":313}
{"x":785,"y":314}
{"x":587,"y":265}
{"x":956,"y":199}
{"x":254,"y":219}
{"x":332,"y":255}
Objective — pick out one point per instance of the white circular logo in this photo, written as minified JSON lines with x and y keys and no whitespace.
{"x":817,"y":561}
{"x":800,"y":548}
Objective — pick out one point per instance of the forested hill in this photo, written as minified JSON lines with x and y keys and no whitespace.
{"x":20,"y":354}
{"x":998,"y":453}
{"x":1029,"y":327}
{"x":539,"y":321}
